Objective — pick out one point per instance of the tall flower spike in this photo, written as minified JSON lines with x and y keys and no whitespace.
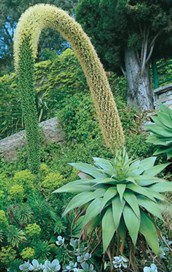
{"x":29,"y":28}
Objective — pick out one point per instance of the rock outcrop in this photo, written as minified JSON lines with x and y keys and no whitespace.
{"x":51,"y":133}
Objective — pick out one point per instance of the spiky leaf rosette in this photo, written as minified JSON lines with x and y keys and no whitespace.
{"x":161,"y":131}
{"x":120,"y":192}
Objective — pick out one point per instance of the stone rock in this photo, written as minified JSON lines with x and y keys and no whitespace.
{"x":163,"y":95}
{"x":51,"y":132}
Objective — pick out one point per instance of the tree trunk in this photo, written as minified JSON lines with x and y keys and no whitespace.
{"x":140,"y":95}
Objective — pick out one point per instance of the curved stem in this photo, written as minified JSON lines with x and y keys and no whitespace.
{"x":42,"y":16}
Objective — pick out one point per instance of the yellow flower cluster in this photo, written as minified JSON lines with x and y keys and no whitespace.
{"x":33,"y":229}
{"x":7,"y":254}
{"x":16,"y":192}
{"x":26,"y":179}
{"x":27,"y":253}
{"x":44,"y":169}
{"x":3,"y":218}
{"x":52,"y":181}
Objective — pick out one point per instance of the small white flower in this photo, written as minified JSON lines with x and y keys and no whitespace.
{"x":71,"y":267}
{"x":60,"y":240}
{"x":151,"y":268}
{"x":51,"y":267}
{"x":25,"y":266}
{"x":120,"y":261}
{"x":35,"y":266}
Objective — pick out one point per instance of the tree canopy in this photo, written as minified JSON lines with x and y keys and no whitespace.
{"x":128,"y":35}
{"x":114,"y":26}
{"x":10,"y":12}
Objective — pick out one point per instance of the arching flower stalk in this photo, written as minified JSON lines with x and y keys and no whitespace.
{"x":28,"y":31}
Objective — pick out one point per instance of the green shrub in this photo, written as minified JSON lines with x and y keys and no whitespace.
{"x":26,"y":179}
{"x":28,"y":222}
{"x":7,"y":255}
{"x":52,"y":181}
{"x":3,"y":218}
{"x":33,"y":230}
{"x":55,"y":80}
{"x":10,"y":109}
{"x":16,"y":192}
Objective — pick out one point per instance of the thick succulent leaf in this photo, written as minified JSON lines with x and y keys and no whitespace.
{"x":117,"y":209}
{"x":165,"y":120}
{"x":148,"y":230}
{"x":158,"y":141}
{"x":166,"y":148}
{"x":133,"y":169}
{"x":162,"y":131}
{"x":94,"y":223}
{"x":157,"y":130}
{"x":169,"y":153}
{"x":121,"y":190}
{"x":151,"y":207}
{"x":157,"y":195}
{"x":93,"y":210}
{"x":75,"y":186}
{"x":131,"y":199}
{"x":110,"y":193}
{"x":162,"y":149}
{"x":140,"y":190}
{"x":165,"y":110}
{"x":109,"y":181}
{"x":135,"y":164}
{"x":153,"y":171}
{"x":83,"y":198}
{"x":156,"y":120}
{"x":131,"y":179}
{"x":162,"y":187}
{"x":108,"y":228}
{"x":145,"y":180}
{"x":147,"y":163}
{"x":132,"y":223}
{"x":122,"y":231}
{"x":83,"y":175}
{"x":74,"y":189}
{"x":105,"y":165}
{"x":89,"y":169}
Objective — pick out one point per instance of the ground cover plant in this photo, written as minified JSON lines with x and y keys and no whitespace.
{"x":58,"y":157}
{"x":29,"y":217}
{"x":53,"y":82}
{"x":115,"y":217}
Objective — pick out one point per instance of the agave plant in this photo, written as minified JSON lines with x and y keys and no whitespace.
{"x":121,"y":196}
{"x":161,"y":131}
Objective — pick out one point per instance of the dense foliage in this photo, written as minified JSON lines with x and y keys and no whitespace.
{"x":30,"y":215}
{"x":55,"y":81}
{"x":117,"y":25}
{"x":10,"y":12}
{"x":128,"y":35}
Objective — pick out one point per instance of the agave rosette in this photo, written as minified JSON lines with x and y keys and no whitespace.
{"x":120,"y":195}
{"x":161,"y":131}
